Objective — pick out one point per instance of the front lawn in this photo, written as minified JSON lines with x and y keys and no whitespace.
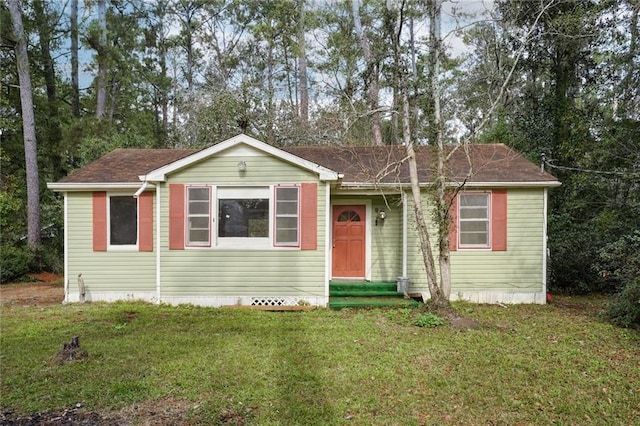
{"x":186,"y":365}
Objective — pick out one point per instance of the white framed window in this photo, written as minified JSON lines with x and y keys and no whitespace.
{"x":474,"y":219}
{"x":198,"y":216}
{"x":122,"y":222}
{"x":243,"y":217}
{"x":287,"y":216}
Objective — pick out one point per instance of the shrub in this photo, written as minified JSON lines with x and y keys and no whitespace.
{"x":619,"y":262}
{"x":625,"y":310}
{"x":14,"y":262}
{"x":429,"y":320}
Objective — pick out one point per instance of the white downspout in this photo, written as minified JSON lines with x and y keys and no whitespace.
{"x":544,"y":246}
{"x":157,"y":221}
{"x":158,"y":255}
{"x":141,"y":189}
{"x":66,"y":247}
{"x":327,"y":242}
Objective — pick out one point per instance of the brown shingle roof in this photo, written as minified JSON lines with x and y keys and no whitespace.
{"x":491,"y":163}
{"x":387,"y":164}
{"x":125,"y":165}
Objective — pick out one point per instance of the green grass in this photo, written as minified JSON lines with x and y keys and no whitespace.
{"x":526,"y":365}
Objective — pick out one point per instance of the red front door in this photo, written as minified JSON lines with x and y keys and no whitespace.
{"x":348,"y":241}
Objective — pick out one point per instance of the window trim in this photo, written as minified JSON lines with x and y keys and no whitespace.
{"x":489,"y":221}
{"x":121,"y":247}
{"x":274,"y":226}
{"x":187,"y":242}
{"x":242,"y":192}
{"x":243,"y":243}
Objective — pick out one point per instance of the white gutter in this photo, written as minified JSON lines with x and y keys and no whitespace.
{"x":399,"y":185}
{"x":76,"y":187}
{"x":405,"y":238}
{"x":547,"y":184}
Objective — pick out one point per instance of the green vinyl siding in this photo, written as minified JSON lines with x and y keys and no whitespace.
{"x":261,"y":169}
{"x":386,"y":240}
{"x":517,"y":269}
{"x":215,"y":271}
{"x":106,"y":271}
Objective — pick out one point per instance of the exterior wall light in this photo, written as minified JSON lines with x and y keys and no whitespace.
{"x":242,"y":166}
{"x":380,"y":217}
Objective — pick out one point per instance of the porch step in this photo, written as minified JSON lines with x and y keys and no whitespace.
{"x":366,"y":294}
{"x":362,"y":286}
{"x":370,"y":302}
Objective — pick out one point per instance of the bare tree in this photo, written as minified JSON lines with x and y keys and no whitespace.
{"x":441,"y":191}
{"x":28,"y":126}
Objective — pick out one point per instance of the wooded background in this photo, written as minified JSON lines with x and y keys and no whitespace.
{"x":559,"y":77}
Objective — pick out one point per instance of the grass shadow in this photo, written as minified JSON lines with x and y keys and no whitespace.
{"x":300,"y":385}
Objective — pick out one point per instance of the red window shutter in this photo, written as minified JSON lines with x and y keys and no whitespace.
{"x":176,"y":216}
{"x":499,"y":220}
{"x":99,"y":221}
{"x":309,"y":216}
{"x":145,"y":221}
{"x":453,"y":224}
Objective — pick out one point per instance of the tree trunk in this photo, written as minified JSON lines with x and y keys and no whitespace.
{"x":164,"y":95}
{"x":75,"y":82}
{"x":372,"y":72}
{"x":631,"y":106}
{"x":423,"y":230}
{"x":101,"y":80}
{"x":441,"y":205}
{"x":54,"y":132}
{"x":393,"y":25}
{"x":302,"y":68}
{"x":28,"y":126}
{"x":271,"y":94}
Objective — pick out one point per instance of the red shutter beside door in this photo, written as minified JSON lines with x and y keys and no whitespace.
{"x":499,"y":220}
{"x":453,"y":224}
{"x":145,"y":221}
{"x":309,"y":216}
{"x":176,"y":216}
{"x":99,"y":221}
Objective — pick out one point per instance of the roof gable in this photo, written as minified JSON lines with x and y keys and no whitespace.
{"x":160,"y":174}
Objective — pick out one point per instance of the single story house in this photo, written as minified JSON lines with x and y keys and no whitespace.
{"x":246,"y":223}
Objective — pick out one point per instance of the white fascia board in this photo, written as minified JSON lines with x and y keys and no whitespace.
{"x":77,"y":187}
{"x":371,"y":187}
{"x":547,"y":184}
{"x":399,"y":186}
{"x":159,"y":175}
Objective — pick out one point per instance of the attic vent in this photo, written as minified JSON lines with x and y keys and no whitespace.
{"x":275,"y":301}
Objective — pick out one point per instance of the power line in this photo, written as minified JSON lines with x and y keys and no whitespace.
{"x":545,"y":162}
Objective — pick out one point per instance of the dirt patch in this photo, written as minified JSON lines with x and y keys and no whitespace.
{"x":460,"y":323}
{"x":76,"y":416}
{"x":168,"y":411}
{"x":47,"y":290}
